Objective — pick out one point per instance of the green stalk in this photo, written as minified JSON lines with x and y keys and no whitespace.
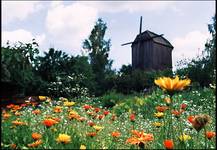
{"x":205,"y":138}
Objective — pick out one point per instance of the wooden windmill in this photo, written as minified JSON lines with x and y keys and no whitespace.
{"x":150,"y":51}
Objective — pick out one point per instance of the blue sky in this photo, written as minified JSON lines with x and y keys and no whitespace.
{"x":63,"y":25}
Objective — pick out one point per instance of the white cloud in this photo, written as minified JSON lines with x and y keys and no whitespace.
{"x":22,"y":36}
{"x":69,"y":25}
{"x":18,"y":10}
{"x":130,"y":6}
{"x":188,"y":46}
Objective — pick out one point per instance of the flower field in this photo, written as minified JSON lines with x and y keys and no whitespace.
{"x":174,"y":116}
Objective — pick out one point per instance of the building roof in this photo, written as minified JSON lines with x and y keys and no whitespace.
{"x":148,"y":35}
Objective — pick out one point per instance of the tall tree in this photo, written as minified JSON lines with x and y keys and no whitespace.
{"x":98,"y":50}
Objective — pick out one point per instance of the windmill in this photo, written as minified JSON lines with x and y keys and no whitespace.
{"x":150,"y":51}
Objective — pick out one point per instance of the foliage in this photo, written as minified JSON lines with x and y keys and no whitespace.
{"x":98,"y":50}
{"x":18,"y":63}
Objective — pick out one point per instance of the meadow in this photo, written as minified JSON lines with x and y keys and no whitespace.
{"x":172,"y":116}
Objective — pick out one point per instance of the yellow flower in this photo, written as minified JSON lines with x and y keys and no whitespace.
{"x":158,"y":124}
{"x":69,"y":103}
{"x":63,"y":138}
{"x":97,"y":127}
{"x":82,"y":147}
{"x":159,"y":115}
{"x":184,"y":137}
{"x":170,"y":84}
{"x":42,"y":98}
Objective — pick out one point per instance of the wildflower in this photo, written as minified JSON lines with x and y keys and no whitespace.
{"x":13,"y":146}
{"x":96,"y":110}
{"x":69,"y":103}
{"x":63,"y":99}
{"x":36,"y":112}
{"x":17,"y":113}
{"x":184,"y":137}
{"x":168,"y":144}
{"x":87,"y":107}
{"x":6,"y":115}
{"x":161,"y":108}
{"x":57,"y":109}
{"x":159,"y":115}
{"x":91,"y":134}
{"x":199,"y":121}
{"x":132,"y":117}
{"x":158,"y":124}
{"x":97,"y":128}
{"x":140,"y":138}
{"x":170,"y":84}
{"x":42,"y":98}
{"x":90,"y":123}
{"x":63,"y":138}
{"x":116,"y":134}
{"x":81,"y":119}
{"x":167,"y":100}
{"x":36,"y":143}
{"x":10,"y":106}
{"x":36,"y":136}
{"x":100,"y":117}
{"x":183,"y":106}
{"x":73,"y":115}
{"x":177,"y":113}
{"x":82,"y":147}
{"x":106,"y":113}
{"x":49,"y":122}
{"x":210,"y":134}
{"x":113,"y":117}
{"x":18,"y":123}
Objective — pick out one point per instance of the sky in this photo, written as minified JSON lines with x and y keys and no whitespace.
{"x":64,"y":25}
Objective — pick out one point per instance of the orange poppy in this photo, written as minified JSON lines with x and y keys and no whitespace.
{"x":91,"y":134}
{"x":210,"y":134}
{"x":36,"y":143}
{"x":168,"y":144}
{"x":49,"y":122}
{"x":36,"y":112}
{"x":116,"y":134}
{"x":161,"y":108}
{"x":36,"y":136}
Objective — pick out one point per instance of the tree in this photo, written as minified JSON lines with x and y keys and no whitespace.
{"x":98,"y":50}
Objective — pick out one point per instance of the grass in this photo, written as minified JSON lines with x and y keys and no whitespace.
{"x":200,"y":101}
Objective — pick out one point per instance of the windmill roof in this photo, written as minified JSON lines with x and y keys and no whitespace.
{"x":148,"y":35}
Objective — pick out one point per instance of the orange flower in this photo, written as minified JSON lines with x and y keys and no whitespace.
{"x":36,"y":112}
{"x":170,"y":84}
{"x":10,"y":106}
{"x":13,"y":146}
{"x":36,"y":136}
{"x":116,"y":134}
{"x":36,"y":143}
{"x":73,"y":115}
{"x":18,"y":123}
{"x":199,"y":121}
{"x":91,"y":134}
{"x":49,"y":122}
{"x":140,"y":138}
{"x":177,"y":113}
{"x":132,"y":117}
{"x":168,"y":144}
{"x":210,"y":134}
{"x":106,"y":113}
{"x":5,"y":115}
{"x":161,"y":108}
{"x":57,"y":109}
{"x":90,"y":123}
{"x":87,"y":107}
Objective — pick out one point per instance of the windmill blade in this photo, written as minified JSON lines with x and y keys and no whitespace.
{"x":126,"y":43}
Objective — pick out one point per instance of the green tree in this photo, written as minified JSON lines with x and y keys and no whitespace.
{"x":98,"y":50}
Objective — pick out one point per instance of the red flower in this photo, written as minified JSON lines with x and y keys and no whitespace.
{"x":97,"y":110}
{"x":49,"y":122}
{"x":210,"y":134}
{"x":106,"y":113}
{"x":183,"y":106}
{"x":177,"y":113}
{"x":100,"y":117}
{"x":132,"y":117}
{"x":168,"y":144}
{"x":90,"y":123}
{"x":191,"y":119}
{"x":87,"y":107}
{"x":91,"y":134}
